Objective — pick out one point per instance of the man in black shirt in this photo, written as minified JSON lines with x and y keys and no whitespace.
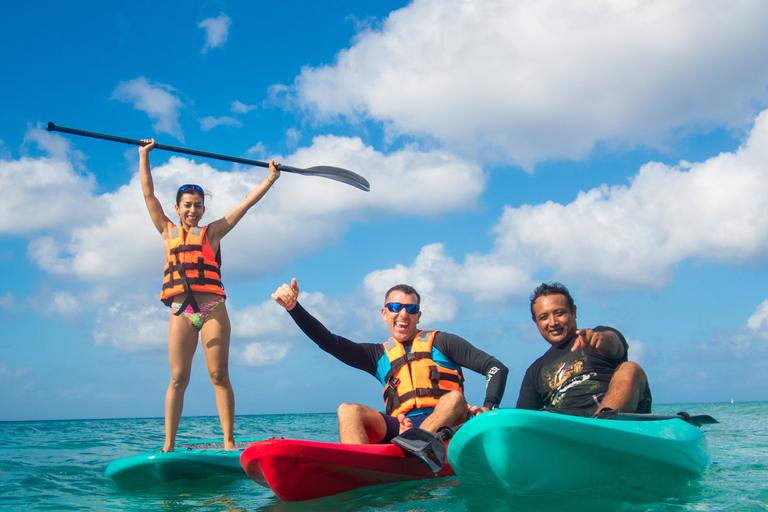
{"x":585,"y":371}
{"x":421,"y":370}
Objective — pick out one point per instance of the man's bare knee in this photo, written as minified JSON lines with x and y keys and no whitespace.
{"x":454,"y":400}
{"x":349,"y":411}
{"x":631,"y":371}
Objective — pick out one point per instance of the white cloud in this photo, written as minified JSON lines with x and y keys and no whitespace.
{"x":210,"y":122}
{"x":633,"y":235}
{"x":642,"y":354}
{"x":292,"y":137}
{"x":132,"y":325}
{"x":12,"y":373}
{"x":266,"y":319}
{"x":259,"y":149}
{"x":261,"y":353}
{"x":437,"y":277}
{"x":47,"y":194}
{"x":430,"y":274}
{"x":239,"y":107}
{"x":56,"y":146}
{"x":457,"y":183}
{"x":305,"y":213}
{"x":216,"y":31}
{"x":64,"y":304}
{"x":7,"y":301}
{"x":758,"y":321}
{"x":140,"y":323}
{"x":158,"y":101}
{"x":619,"y":237}
{"x":524,"y":82}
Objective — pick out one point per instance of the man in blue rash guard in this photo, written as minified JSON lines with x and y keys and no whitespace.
{"x":446,"y":355}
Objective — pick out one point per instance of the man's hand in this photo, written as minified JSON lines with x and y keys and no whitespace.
{"x":475,"y":410}
{"x":605,"y":343}
{"x":287,"y":296}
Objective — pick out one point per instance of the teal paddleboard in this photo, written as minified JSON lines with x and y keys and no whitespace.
{"x":536,"y":453}
{"x":192,"y":460}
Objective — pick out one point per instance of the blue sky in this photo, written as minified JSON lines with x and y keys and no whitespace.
{"x":618,"y":147}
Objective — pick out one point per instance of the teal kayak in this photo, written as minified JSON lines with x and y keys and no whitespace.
{"x":537,"y":453}
{"x":191,"y":460}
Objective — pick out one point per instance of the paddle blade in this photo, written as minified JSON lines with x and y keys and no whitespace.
{"x":702,"y":419}
{"x":428,"y":447}
{"x":333,"y":173}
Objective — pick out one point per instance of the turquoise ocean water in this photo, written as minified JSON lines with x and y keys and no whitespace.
{"x":59,"y":465}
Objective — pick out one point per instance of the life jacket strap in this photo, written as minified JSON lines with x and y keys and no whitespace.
{"x":405,"y":359}
{"x":186,"y":248}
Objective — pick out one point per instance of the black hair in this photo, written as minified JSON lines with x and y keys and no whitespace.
{"x":552,"y":288}
{"x":406,"y":289}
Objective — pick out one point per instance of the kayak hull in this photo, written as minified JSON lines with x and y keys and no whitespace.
{"x":298,"y":470}
{"x":537,"y":453}
{"x":192,"y":460}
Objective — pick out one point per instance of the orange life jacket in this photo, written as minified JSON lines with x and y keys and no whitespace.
{"x":414,"y":379}
{"x":190,"y":267}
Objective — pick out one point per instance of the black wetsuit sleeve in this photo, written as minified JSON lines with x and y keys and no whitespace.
{"x":363,"y":356}
{"x":529,"y":397}
{"x":463,"y":353}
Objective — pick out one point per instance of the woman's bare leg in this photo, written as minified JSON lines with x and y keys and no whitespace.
{"x":182,"y":343}
{"x":215,"y":335}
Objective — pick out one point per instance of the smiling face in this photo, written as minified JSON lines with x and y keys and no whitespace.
{"x":556,"y":322}
{"x":402,"y":325}
{"x":190,"y":209}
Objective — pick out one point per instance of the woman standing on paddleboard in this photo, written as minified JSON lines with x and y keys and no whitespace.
{"x":193,"y":290}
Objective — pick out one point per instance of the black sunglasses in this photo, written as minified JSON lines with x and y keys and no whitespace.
{"x":395,"y":307}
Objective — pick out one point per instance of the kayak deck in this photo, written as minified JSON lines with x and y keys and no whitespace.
{"x":298,"y":470}
{"x":536,"y":453}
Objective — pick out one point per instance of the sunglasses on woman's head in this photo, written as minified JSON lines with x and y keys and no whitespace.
{"x":395,"y":307}
{"x":194,"y":187}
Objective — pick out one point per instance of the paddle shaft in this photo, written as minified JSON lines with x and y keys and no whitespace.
{"x":334,"y":173}
{"x":697,"y":420}
{"x":175,"y":149}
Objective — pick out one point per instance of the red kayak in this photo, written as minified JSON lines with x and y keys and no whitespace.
{"x":305,"y":470}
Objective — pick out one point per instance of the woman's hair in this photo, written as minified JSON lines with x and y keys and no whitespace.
{"x":190,"y":189}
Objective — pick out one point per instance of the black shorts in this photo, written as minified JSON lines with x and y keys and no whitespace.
{"x":646,"y":402}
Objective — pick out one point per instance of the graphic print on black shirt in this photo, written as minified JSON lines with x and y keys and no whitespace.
{"x":561,"y":379}
{"x":570,"y":385}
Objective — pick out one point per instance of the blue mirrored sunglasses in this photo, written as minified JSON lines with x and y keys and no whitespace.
{"x":395,"y":307}
{"x":195,"y":187}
